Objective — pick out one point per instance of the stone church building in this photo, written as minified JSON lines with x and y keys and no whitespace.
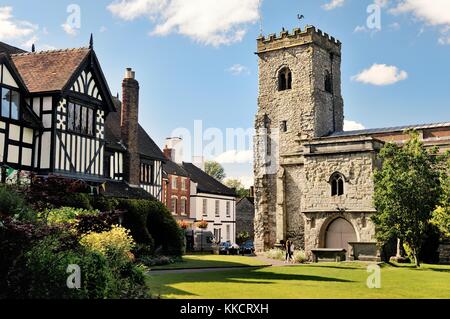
{"x":314,"y":181}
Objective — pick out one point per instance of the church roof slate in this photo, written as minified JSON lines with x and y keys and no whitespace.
{"x":389,"y":129}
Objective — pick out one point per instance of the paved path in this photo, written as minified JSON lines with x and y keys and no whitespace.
{"x":267,"y":261}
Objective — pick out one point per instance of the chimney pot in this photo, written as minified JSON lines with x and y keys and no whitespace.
{"x":130,"y":74}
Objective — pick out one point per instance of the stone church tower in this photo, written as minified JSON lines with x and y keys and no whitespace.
{"x":313,"y":181}
{"x":299,"y":99}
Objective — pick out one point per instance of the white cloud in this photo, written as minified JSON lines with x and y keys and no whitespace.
{"x":436,"y":12}
{"x":218,"y":22}
{"x":360,"y":28}
{"x":235,"y":157}
{"x":11,"y":29}
{"x":381,"y":74}
{"x":444,"y":40}
{"x":103,"y":29}
{"x":433,"y":13}
{"x":352,"y":126}
{"x":394,"y":26}
{"x":238,"y":69}
{"x":333,"y":4}
{"x":382,"y":3}
{"x":33,"y":40}
{"x":69,"y":29}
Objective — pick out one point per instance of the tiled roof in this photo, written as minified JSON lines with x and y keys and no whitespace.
{"x":9,"y":49}
{"x":48,"y":71}
{"x":205,"y":183}
{"x":389,"y":129}
{"x":122,"y":190}
{"x":147,"y":147}
{"x":173,"y":168}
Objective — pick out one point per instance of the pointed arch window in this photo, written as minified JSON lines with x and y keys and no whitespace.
{"x":284,"y":79}
{"x":337,"y":181}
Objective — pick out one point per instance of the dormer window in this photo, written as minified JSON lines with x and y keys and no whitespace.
{"x":337,"y":181}
{"x":284,"y":79}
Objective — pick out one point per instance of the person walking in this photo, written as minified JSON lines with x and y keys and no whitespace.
{"x":288,"y":250}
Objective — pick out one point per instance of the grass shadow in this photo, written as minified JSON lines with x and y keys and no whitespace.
{"x":243,"y":277}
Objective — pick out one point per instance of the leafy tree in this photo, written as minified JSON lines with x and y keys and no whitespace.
{"x":215,"y":170}
{"x":441,"y":216}
{"x":241,"y":191}
{"x":407,"y":190}
{"x":242,"y":237}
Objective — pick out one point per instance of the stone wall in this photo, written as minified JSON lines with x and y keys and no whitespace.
{"x":245,"y":216}
{"x":357,"y":168}
{"x":316,"y":224}
{"x":444,"y":253}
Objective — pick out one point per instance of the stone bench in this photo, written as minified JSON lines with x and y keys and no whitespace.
{"x":364,"y":251}
{"x":328,"y":254}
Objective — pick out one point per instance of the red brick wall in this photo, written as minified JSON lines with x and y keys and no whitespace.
{"x":179,"y":192}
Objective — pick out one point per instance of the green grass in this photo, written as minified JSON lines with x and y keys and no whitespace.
{"x":212,"y":261}
{"x":327,"y":280}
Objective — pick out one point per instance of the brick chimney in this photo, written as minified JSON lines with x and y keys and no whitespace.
{"x":168,"y":153}
{"x":129,"y":124}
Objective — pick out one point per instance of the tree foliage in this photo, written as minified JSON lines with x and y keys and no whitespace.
{"x":215,"y":170}
{"x":241,"y":191}
{"x":441,"y":216}
{"x":407,"y":190}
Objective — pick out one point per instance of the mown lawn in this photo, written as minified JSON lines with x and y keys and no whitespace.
{"x":327,"y":280}
{"x":212,"y":261}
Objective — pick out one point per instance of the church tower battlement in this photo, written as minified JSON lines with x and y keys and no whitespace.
{"x":298,"y":37}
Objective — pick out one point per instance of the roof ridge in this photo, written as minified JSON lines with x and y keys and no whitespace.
{"x":391,"y":128}
{"x":51,"y":51}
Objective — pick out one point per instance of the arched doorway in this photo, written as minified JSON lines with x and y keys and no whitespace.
{"x":339,"y":233}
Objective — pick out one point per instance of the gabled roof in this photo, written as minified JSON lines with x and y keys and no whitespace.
{"x":147,"y":147}
{"x":389,"y":129}
{"x":9,"y":49}
{"x":205,"y":183}
{"x":251,"y":200}
{"x":49,"y":71}
{"x":173,"y":168}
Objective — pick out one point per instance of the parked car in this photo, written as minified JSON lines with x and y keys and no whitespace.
{"x":223,"y":248}
{"x":233,"y":250}
{"x":247,"y":248}
{"x":203,"y":241}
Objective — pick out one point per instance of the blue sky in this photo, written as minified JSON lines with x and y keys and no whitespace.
{"x":184,"y":51}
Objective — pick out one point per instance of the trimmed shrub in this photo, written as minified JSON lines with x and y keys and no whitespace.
{"x":275,"y":253}
{"x":150,"y":261}
{"x":77,"y":200}
{"x":64,"y":215}
{"x":299,"y":256}
{"x":151,"y":221}
{"x":116,"y":243}
{"x":136,"y":220}
{"x":41,"y":273}
{"x":97,"y":222}
{"x":104,"y":204}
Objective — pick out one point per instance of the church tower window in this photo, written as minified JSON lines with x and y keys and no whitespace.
{"x":284,"y":79}
{"x":337,"y":184}
{"x":328,"y":83}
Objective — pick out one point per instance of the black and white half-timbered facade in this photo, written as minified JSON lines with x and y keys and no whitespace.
{"x":56,"y":109}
